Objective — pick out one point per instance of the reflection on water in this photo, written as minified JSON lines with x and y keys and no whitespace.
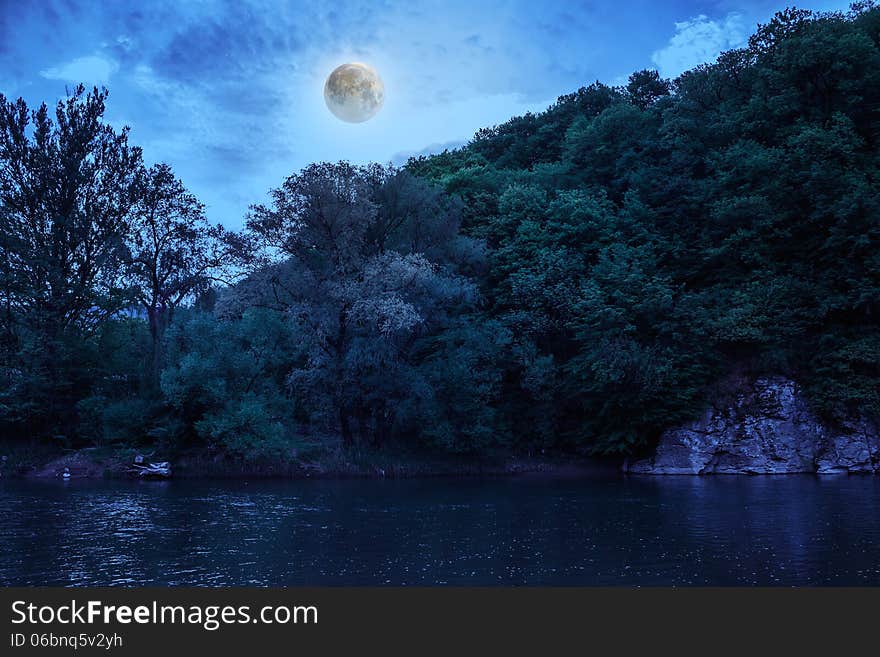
{"x":635,"y":531}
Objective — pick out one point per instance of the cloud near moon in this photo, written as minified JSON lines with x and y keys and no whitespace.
{"x":354,"y":92}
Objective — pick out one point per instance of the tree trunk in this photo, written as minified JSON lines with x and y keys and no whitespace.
{"x":158,"y":320}
{"x":152,"y":378}
{"x":345,"y":428}
{"x":381,"y":426}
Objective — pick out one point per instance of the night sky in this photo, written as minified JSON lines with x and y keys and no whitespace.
{"x":230,"y":93}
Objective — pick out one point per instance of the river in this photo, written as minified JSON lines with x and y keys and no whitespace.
{"x":784,"y":530}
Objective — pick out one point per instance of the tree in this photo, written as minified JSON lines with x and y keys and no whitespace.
{"x":174,"y":254}
{"x":67,"y":188}
{"x":354,"y":279}
{"x":646,"y":87}
{"x":669,"y":239}
{"x":225,"y":381}
{"x":576,"y":279}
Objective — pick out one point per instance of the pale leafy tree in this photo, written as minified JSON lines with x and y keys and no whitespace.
{"x":174,"y":253}
{"x":353,"y":274}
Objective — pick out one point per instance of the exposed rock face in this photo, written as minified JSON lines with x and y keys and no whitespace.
{"x":768,"y":429}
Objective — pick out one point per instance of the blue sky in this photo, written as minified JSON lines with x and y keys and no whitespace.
{"x":230,"y":93}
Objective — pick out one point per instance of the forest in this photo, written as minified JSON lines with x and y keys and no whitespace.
{"x":571,"y":282}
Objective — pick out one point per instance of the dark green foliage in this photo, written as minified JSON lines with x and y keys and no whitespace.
{"x":66,"y":189}
{"x":645,"y":88}
{"x":677,"y":231}
{"x":575,"y":280}
{"x":462,"y":369}
{"x":225,"y":382}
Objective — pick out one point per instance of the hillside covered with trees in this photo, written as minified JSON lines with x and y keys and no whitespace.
{"x":570,"y":282}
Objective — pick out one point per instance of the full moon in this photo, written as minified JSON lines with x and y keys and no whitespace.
{"x":354,"y":92}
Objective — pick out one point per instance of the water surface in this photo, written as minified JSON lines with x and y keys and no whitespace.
{"x":789,"y":530}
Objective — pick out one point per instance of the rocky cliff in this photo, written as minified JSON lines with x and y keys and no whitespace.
{"x":766,"y":429}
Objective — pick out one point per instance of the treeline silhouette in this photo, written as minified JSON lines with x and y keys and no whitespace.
{"x":571,"y":281}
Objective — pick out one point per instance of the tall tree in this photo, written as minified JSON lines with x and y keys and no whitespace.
{"x":175,"y":254}
{"x":355,"y":280}
{"x":66,"y":191}
{"x":646,"y":87}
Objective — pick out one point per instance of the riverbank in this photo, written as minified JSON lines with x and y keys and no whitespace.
{"x":116,"y":463}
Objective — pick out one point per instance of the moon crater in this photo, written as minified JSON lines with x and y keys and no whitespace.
{"x":354,"y":92}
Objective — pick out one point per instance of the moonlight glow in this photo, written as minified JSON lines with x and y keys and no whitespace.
{"x":354,"y":92}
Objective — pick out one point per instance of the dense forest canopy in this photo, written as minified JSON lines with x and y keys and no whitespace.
{"x":570,"y":281}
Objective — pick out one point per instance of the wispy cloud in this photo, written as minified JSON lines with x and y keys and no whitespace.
{"x":697,"y":41}
{"x":91,"y":70}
